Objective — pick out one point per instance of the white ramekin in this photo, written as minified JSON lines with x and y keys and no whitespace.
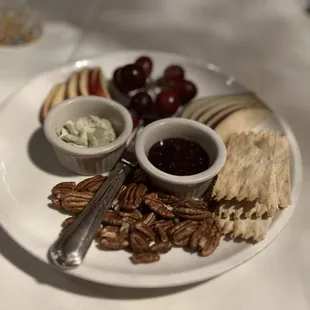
{"x":88,"y":161}
{"x":182,"y":186}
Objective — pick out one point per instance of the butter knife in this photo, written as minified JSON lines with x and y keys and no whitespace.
{"x":71,"y":247}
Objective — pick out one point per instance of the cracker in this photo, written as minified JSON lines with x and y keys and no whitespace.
{"x":247,"y":229}
{"x":249,"y":171}
{"x":282,"y":167}
{"x":244,"y":217}
{"x":234,"y":209}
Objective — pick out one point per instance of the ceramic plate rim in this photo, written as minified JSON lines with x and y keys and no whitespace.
{"x":174,"y":279}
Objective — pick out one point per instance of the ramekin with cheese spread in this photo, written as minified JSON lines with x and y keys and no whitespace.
{"x":94,"y":148}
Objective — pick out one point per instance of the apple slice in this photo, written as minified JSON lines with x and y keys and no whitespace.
{"x":73,"y":86}
{"x":98,"y":83}
{"x":60,"y":96}
{"x":48,"y":100}
{"x":84,"y":82}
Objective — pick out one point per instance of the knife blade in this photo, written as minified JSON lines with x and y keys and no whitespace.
{"x":71,"y":247}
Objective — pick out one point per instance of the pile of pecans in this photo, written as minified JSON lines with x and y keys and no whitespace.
{"x":146,"y":222}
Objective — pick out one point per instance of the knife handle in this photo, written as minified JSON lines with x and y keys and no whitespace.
{"x":71,"y":247}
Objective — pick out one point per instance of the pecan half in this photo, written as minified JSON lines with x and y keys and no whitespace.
{"x":56,"y":202}
{"x":114,"y":243}
{"x":131,"y":197}
{"x":181,"y":232}
{"x":110,"y":232}
{"x":184,"y":231}
{"x":178,"y":226}
{"x":192,"y":203}
{"x":182,"y":243}
{"x":97,"y":235}
{"x":75,"y":202}
{"x":68,"y":221}
{"x":129,"y":220}
{"x":63,"y":188}
{"x":208,"y":246}
{"x":162,"y":234}
{"x":145,"y":258}
{"x":135,"y":214}
{"x":91,"y":184}
{"x":195,"y":214}
{"x":115,"y":203}
{"x":202,"y":231}
{"x":161,"y":247}
{"x":145,"y":230}
{"x":168,"y":199}
{"x":157,"y":206}
{"x":115,"y":231}
{"x":149,"y":218}
{"x":197,"y":235}
{"x":113,"y":218}
{"x":211,"y":240}
{"x":164,"y":224}
{"x":138,"y":243}
{"x":124,"y":229}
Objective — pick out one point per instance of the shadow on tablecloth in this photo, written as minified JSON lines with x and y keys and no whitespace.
{"x":45,"y":274}
{"x":42,"y":155}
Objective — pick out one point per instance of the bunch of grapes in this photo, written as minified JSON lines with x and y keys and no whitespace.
{"x":151,"y":100}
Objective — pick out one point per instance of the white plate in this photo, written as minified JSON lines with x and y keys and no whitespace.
{"x":29,"y":170}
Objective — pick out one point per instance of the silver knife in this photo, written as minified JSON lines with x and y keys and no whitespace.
{"x":71,"y":247}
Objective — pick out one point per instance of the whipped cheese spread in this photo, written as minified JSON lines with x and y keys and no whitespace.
{"x":90,"y":131}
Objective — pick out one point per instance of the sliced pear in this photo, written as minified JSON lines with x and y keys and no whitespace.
{"x":220,"y":110}
{"x":215,"y":115}
{"x":98,"y":83}
{"x":60,"y":96}
{"x":48,"y":100}
{"x":241,"y":120}
{"x":84,"y":82}
{"x":199,"y":105}
{"x":226,"y":103}
{"x":73,"y":85}
{"x":196,"y":109}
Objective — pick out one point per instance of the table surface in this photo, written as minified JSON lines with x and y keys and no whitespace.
{"x":266,"y":46}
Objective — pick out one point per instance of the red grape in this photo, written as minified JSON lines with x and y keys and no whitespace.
{"x":186,"y":90}
{"x":117,"y":78}
{"x":174,"y":72}
{"x":132,"y":77}
{"x":167,"y":102}
{"x":142,"y":103}
{"x":135,"y":118}
{"x":146,"y":64}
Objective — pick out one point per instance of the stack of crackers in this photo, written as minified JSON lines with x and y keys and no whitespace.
{"x":253,"y":185}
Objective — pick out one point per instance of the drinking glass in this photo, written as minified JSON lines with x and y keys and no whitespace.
{"x":19,"y":24}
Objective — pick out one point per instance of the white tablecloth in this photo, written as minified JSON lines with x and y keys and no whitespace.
{"x":266,"y":45}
